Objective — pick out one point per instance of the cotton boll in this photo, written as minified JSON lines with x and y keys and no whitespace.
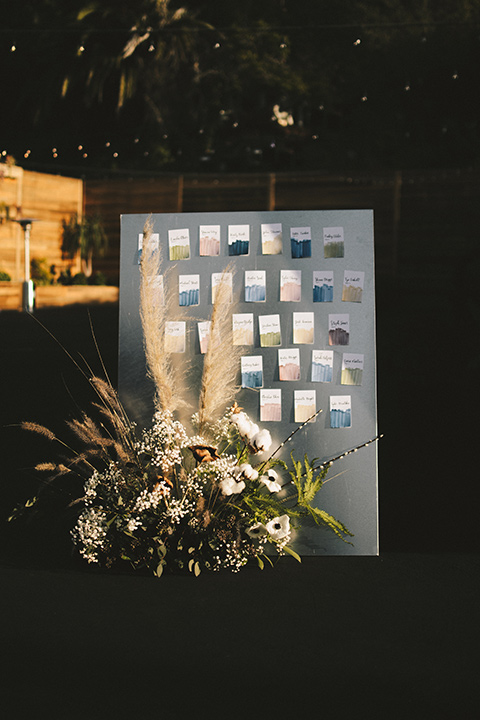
{"x":246,"y":471}
{"x":231,"y":486}
{"x":261,"y":441}
{"x":243,"y":423}
{"x":252,"y":431}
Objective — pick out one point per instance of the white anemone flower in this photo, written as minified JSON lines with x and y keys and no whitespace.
{"x":271,"y":481}
{"x":279,"y":527}
{"x":261,"y":441}
{"x":245,"y":470}
{"x":257,"y":531}
{"x":231,"y":486}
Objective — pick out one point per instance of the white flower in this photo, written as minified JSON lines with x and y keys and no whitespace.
{"x":252,"y":431}
{"x":261,"y":441}
{"x":242,"y":422}
{"x":244,"y":425}
{"x":231,"y":486}
{"x":246,"y":471}
{"x":133,"y":524}
{"x":271,"y":481}
{"x":257,"y":531}
{"x":279,"y":527}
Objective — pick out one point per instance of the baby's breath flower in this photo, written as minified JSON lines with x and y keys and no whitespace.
{"x":148,"y":500}
{"x":90,"y":532}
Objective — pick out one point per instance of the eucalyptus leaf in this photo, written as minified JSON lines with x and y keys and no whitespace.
{"x":292,"y":553}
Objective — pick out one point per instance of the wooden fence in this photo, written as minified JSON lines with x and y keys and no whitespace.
{"x":420,"y":217}
{"x":424,"y":221}
{"x":48,"y":199}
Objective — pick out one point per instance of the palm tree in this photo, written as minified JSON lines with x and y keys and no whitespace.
{"x":86,"y":235}
{"x":129,"y":50}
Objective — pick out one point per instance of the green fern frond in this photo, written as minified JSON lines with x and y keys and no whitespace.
{"x":266,"y":506}
{"x":323,"y":518}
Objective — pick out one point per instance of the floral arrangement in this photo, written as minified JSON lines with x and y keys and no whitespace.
{"x":166,"y":498}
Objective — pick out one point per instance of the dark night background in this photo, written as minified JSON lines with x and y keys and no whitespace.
{"x":396,"y":636}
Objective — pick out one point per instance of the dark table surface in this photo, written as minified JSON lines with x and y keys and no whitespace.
{"x":394,"y":636}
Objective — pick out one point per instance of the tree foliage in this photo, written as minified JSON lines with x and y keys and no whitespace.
{"x":85,"y":235}
{"x":165,"y":84}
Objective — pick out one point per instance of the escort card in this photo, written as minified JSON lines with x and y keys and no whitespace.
{"x":323,"y":286}
{"x":270,"y":405}
{"x":352,"y":369}
{"x":305,"y":405}
{"x":340,"y":411}
{"x":352,"y":286}
{"x":303,"y":328}
{"x":188,"y":290}
{"x":322,"y":365}
{"x":255,"y":285}
{"x":216,"y":278}
{"x":175,"y":337}
{"x":333,"y":242}
{"x":301,"y":242}
{"x":209,"y":240}
{"x":242,"y":328}
{"x":203,"y":335}
{"x":270,"y":333}
{"x":179,"y":244}
{"x":290,"y":285}
{"x":289,"y":364}
{"x":338,"y":329}
{"x":154,"y":240}
{"x":271,"y":239}
{"x":238,"y":239}
{"x":158,"y":291}
{"x":252,"y":371}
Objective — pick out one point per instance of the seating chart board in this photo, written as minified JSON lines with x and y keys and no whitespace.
{"x":303,"y":312}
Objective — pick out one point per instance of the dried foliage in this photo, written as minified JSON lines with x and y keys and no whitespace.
{"x":154,"y":311}
{"x":220,"y":368}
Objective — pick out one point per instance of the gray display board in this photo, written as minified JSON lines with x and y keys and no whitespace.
{"x":304,"y":283}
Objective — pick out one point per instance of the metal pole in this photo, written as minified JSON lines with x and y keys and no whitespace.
{"x":28,"y":284}
{"x":28,"y":291}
